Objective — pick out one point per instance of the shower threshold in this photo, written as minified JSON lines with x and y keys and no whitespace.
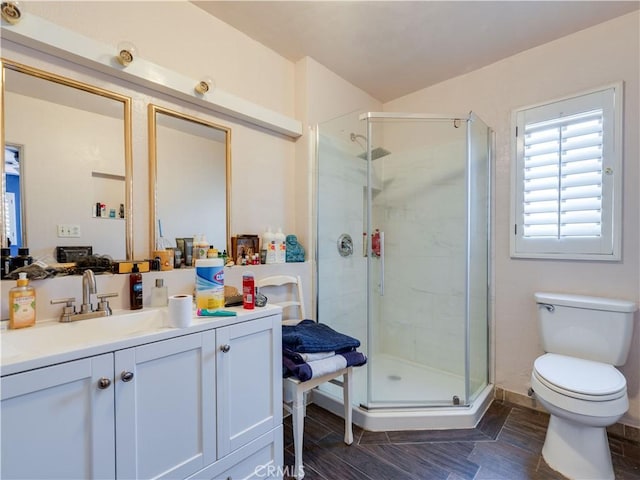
{"x":411,"y":418}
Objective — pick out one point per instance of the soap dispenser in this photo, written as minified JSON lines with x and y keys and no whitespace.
{"x":22,"y":303}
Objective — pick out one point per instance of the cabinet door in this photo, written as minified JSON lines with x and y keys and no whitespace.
{"x":249,"y":370}
{"x":57,"y":422}
{"x":165,"y":407}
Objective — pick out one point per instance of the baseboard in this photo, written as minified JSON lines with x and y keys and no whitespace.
{"x":620,"y":430}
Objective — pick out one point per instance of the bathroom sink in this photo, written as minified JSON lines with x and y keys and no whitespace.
{"x":53,"y":336}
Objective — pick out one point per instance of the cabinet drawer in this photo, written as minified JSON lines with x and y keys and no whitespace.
{"x":259,"y":459}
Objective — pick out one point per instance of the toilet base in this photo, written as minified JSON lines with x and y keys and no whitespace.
{"x":577,"y":451}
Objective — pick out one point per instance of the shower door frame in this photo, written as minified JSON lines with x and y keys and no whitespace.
{"x":467,"y":119}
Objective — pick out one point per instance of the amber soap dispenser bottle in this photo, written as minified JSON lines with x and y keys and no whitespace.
{"x":22,"y":304}
{"x":135,"y":288}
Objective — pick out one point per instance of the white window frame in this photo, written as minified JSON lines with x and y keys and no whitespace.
{"x":607,"y":246}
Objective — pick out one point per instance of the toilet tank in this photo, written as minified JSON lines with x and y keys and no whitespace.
{"x":592,"y":328}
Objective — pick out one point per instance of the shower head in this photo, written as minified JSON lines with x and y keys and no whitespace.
{"x":375,"y":152}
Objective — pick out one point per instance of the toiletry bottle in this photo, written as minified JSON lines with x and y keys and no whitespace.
{"x":200,"y":246}
{"x":6,"y":262}
{"x":23,"y":259}
{"x":135,"y":288}
{"x":159,"y":294}
{"x":177,"y":258}
{"x":248,"y":290}
{"x":212,"y":252}
{"x":281,"y":246}
{"x":22,"y":303}
{"x":269,"y":242}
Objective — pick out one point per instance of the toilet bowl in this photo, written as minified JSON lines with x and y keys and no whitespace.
{"x":583,"y":397}
{"x":576,"y":380}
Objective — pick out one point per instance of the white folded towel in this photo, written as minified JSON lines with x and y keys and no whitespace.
{"x":312,"y":357}
{"x":327,"y":365}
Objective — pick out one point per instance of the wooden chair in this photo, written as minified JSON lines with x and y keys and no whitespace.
{"x":295,"y":391}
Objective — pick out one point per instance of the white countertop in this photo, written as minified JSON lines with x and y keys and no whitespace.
{"x":52,"y":342}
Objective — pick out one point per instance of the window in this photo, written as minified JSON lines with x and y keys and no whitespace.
{"x":567,"y":178}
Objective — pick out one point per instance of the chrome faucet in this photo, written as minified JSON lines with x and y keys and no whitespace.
{"x":86,"y":309}
{"x":88,"y":287}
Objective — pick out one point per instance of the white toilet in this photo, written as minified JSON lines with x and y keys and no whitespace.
{"x":576,"y":380}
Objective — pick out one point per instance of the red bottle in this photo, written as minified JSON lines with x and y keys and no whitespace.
{"x":375,"y":243}
{"x":248,"y":291}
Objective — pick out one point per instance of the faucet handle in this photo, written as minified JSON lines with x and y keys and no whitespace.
{"x":67,"y":310}
{"x":103,"y":304}
{"x":69,"y":301}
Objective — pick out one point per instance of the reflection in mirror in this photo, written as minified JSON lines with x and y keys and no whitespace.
{"x":13,"y":197}
{"x":72,"y":144}
{"x":190,"y":176}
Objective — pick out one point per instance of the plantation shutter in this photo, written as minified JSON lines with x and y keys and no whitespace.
{"x":566,"y":158}
{"x":563,"y":177}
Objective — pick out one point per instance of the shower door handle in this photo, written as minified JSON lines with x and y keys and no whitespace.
{"x":382,"y":264}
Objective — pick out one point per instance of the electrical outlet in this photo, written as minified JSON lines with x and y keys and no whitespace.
{"x":68,"y":231}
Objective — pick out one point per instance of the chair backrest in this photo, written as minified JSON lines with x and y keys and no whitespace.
{"x":288,"y":287}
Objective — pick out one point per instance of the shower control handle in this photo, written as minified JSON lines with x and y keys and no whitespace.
{"x":345,"y":245}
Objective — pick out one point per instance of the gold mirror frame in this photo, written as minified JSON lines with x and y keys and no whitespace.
{"x":126,"y":103}
{"x":153,"y":111}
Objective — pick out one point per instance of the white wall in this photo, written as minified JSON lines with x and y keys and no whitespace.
{"x":180,"y":36}
{"x":593,"y":57}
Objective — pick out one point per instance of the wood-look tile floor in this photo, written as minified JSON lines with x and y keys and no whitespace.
{"x":506,"y":445}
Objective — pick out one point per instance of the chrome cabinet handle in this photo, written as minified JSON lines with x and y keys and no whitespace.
{"x":225,"y":348}
{"x":103,"y":383}
{"x":126,"y":376}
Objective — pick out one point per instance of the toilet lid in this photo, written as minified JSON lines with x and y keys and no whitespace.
{"x":578,"y":377}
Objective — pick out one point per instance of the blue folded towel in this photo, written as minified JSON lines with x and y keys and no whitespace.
{"x":309,"y":337}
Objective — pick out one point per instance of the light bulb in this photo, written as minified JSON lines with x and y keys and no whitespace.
{"x":206,"y":85}
{"x":127,"y":51}
{"x":11,"y":12}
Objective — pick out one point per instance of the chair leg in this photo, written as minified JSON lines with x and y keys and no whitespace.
{"x":346,"y":390}
{"x":298,"y":432}
{"x":304,"y":404}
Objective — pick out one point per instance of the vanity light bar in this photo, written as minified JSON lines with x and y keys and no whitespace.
{"x":47,"y":37}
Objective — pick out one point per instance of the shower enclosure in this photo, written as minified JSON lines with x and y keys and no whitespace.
{"x":402,"y":209}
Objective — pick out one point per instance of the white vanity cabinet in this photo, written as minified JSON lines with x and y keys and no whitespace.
{"x":57,"y":422}
{"x":249,"y":397}
{"x":205,"y":404}
{"x":165,"y":407}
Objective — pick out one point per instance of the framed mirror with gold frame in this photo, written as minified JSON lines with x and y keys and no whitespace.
{"x":69,"y":145}
{"x":189,"y":179}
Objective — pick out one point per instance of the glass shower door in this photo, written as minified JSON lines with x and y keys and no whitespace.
{"x":417,"y":277}
{"x":341,"y":181}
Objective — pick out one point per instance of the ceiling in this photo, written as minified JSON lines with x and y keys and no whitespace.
{"x":392,"y":48}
